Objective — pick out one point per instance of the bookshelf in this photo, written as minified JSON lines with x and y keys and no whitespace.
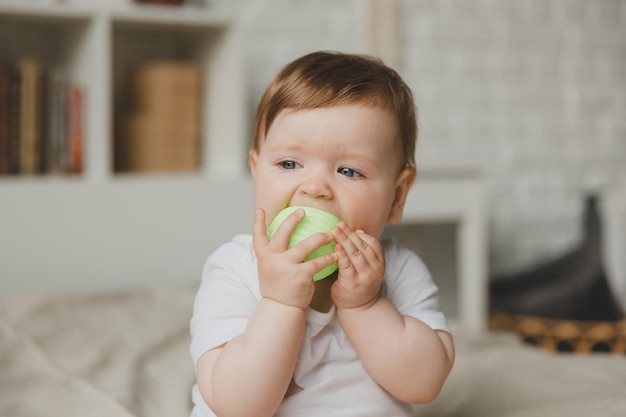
{"x":99,"y":45}
{"x":106,"y":229}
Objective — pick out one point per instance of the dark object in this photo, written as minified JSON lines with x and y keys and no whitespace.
{"x":572,"y":287}
{"x":565,"y":305}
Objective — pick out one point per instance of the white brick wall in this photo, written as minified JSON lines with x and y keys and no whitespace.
{"x":533,"y":89}
{"x":278,"y":31}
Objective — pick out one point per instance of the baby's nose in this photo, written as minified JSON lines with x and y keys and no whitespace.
{"x":316,"y":188}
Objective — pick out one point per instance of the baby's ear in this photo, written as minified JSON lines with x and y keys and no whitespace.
{"x":252,"y":158}
{"x":404,"y":182}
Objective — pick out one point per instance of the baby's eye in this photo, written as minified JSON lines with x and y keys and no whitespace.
{"x":290,"y":165}
{"x":349,"y":172}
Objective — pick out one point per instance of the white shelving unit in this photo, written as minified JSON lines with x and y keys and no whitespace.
{"x":454,"y":195}
{"x":99,"y":47}
{"x":101,"y":229}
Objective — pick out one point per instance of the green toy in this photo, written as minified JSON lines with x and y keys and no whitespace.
{"x":315,"y":221}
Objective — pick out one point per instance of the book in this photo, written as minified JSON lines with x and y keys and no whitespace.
{"x":75,"y":133}
{"x":42,"y":120}
{"x":30,"y":102}
{"x":15,"y":83}
{"x":56,"y":121}
{"x":161,"y":132}
{"x":159,"y":146}
{"x":159,"y":79}
{"x":5,"y":102}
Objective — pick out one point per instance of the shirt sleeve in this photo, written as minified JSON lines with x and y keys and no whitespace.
{"x":227,"y":296}
{"x":410,"y":287}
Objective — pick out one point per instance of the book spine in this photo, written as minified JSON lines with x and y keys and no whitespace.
{"x":161,"y":132}
{"x":42,"y":120}
{"x":14,"y":120}
{"x":5,"y":81}
{"x":29,"y":116}
{"x":75,"y":129}
{"x":56,"y":121}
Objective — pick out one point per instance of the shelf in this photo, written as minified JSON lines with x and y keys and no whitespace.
{"x":444,"y":198}
{"x":107,"y":230}
{"x":100,"y":46}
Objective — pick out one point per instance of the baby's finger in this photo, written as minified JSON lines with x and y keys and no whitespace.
{"x":259,"y":235}
{"x":308,"y":245}
{"x":321,"y":262}
{"x":346,"y":269}
{"x":285,"y":229}
{"x":356,"y":248}
{"x":374,"y":248}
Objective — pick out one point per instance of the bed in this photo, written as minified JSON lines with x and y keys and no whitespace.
{"x":114,"y":354}
{"x":125,"y":353}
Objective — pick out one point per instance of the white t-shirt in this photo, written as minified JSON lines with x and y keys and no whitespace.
{"x":332,"y":378}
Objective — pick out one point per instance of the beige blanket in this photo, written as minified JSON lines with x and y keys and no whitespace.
{"x":497,"y":376}
{"x":126,"y":354}
{"x":107,"y":355}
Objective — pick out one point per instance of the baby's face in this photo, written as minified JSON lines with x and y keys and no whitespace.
{"x":344,"y":159}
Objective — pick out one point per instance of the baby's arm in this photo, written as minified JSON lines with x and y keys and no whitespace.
{"x":249,"y":375}
{"x":405,"y":356}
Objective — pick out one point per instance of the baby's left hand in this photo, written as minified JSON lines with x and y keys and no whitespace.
{"x":361,"y":264}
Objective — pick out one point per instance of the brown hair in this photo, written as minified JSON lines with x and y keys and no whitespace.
{"x":325,"y":79}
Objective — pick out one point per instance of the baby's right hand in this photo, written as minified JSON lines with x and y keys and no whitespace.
{"x":283,"y":275}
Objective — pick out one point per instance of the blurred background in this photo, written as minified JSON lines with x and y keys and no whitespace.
{"x":526,"y":97}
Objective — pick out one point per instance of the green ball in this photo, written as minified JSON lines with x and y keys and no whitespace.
{"x":315,"y":221}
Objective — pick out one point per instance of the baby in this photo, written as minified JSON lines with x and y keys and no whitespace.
{"x":335,"y":132}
